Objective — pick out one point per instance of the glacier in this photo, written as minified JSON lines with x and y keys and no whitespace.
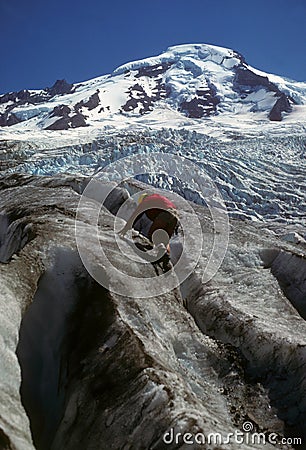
{"x":120,"y":364}
{"x":260,"y":178}
{"x":206,"y":358}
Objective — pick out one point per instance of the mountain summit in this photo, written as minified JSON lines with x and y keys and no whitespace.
{"x":195,"y":81}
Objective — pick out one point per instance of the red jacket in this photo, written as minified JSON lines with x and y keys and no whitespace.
{"x":154,"y":204}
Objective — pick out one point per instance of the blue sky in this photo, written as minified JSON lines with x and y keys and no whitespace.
{"x":43,"y":41}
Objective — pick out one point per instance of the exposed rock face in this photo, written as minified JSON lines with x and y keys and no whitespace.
{"x":24,"y":97}
{"x":91,"y":103}
{"x":61,"y":111}
{"x":68,"y":121}
{"x":103,"y":371}
{"x":8,"y":119}
{"x":245,"y":77}
{"x":78,"y":120}
{"x":246,"y":82}
{"x":17,"y":97}
{"x":154,"y":70}
{"x":140,"y":102}
{"x":281,"y":105}
{"x":203,"y":104}
{"x":69,"y":118}
{"x":60,"y":87}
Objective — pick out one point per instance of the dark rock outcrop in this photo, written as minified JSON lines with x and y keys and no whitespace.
{"x":61,"y":111}
{"x":140,"y":100}
{"x":60,"y":87}
{"x":91,"y":103}
{"x":153,"y":71}
{"x":204,"y":103}
{"x":8,"y":118}
{"x":68,"y":121}
{"x":246,"y":82}
{"x":16,"y":97}
{"x":246,"y":78}
{"x":78,"y":120}
{"x":61,"y":124}
{"x":282,"y":104}
{"x":69,"y":118}
{"x":23,"y":97}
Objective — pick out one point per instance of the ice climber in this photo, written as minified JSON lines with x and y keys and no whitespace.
{"x":163,"y":214}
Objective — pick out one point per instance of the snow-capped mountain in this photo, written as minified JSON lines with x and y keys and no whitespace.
{"x":198,"y":101}
{"x":188,"y":81}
